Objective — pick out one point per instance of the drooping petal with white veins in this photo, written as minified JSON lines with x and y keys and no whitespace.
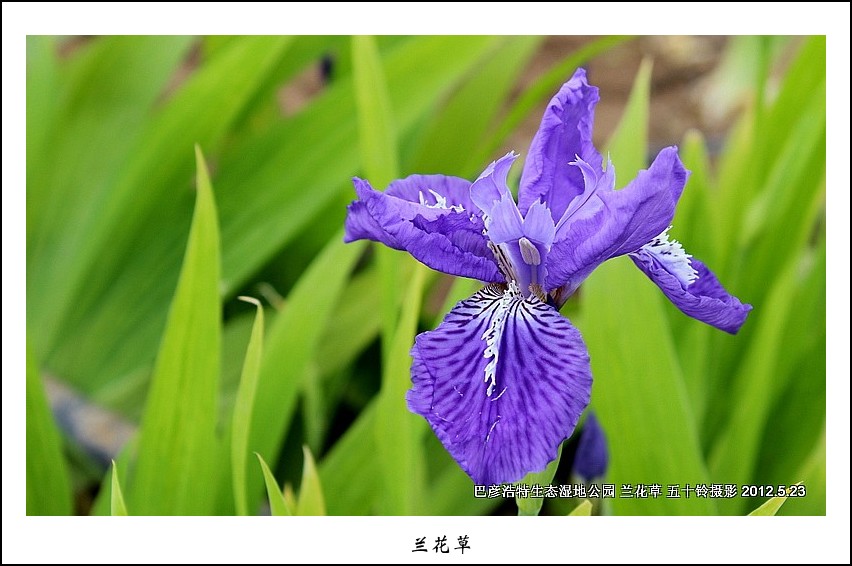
{"x":565,"y":131}
{"x":701,"y":296}
{"x":504,"y":415}
{"x":445,"y":238}
{"x":610,"y":223}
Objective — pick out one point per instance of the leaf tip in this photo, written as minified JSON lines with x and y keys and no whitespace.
{"x":252,"y":301}
{"x":584,"y":509}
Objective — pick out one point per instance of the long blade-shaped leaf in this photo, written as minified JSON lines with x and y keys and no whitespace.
{"x":629,"y":142}
{"x":243,"y":409}
{"x":42,"y":106}
{"x":797,"y":417}
{"x":117,"y":507}
{"x":48,"y":488}
{"x":638,"y":388}
{"x":109,"y":90}
{"x":734,"y":455}
{"x":102,"y":505}
{"x":768,"y":220}
{"x":292,"y":342}
{"x":449,"y":138}
{"x":376,"y":130}
{"x":350,"y":467}
{"x":311,"y":499}
{"x":378,"y":149}
{"x":812,"y":474}
{"x":398,"y":431}
{"x":271,"y":187}
{"x":121,"y":275}
{"x":356,"y":323}
{"x":176,"y":468}
{"x":277,"y":502}
{"x":281,"y":195}
{"x":692,"y":225}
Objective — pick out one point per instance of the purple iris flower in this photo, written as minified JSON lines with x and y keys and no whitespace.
{"x":505,"y":377}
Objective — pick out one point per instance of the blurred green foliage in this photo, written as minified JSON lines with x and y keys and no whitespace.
{"x":135,"y":259}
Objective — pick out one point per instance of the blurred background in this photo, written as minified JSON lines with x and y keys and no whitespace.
{"x":139,"y":350}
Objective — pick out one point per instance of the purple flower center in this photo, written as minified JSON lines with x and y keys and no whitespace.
{"x":520,"y":243}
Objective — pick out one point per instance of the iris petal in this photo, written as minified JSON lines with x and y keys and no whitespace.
{"x":502,"y":424}
{"x":565,"y":131}
{"x":428,"y":233}
{"x":612,"y":223}
{"x":454,"y":191}
{"x":704,"y":298}
{"x":491,"y":195}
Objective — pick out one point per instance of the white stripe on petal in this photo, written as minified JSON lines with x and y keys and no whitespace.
{"x":495,"y":332}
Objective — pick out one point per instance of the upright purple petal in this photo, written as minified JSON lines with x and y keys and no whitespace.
{"x":565,"y":131}
{"x":444,"y":236}
{"x":702,"y":298}
{"x":610,"y":223}
{"x":502,"y":381}
{"x":490,"y":190}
